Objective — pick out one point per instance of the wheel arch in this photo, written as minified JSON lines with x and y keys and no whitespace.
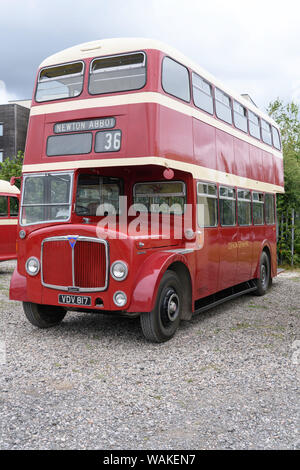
{"x":149,"y":276}
{"x":183,"y":273}
{"x":265,"y":247}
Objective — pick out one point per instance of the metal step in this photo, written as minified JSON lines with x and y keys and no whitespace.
{"x":227,"y":294}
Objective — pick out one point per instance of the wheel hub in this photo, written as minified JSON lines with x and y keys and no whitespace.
{"x":172,"y":306}
{"x":263,"y":274}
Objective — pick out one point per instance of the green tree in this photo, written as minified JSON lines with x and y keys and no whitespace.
{"x":287,"y":116}
{"x":12,"y":167}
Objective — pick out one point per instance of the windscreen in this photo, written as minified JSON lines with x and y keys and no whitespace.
{"x":46,"y":197}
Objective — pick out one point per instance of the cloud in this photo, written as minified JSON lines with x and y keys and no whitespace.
{"x":252,"y":46}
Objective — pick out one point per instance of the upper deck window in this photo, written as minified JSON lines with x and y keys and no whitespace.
{"x":240,"y":116}
{"x":254,"y":125}
{"x":276,"y":138}
{"x":175,"y":79}
{"x":223,"y":106}
{"x":118,"y":73}
{"x":61,"y":81}
{"x":266,"y":132}
{"x":202,"y":94}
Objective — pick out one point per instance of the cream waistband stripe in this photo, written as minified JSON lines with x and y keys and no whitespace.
{"x":8,"y":221}
{"x":198,"y":172}
{"x":149,"y":97}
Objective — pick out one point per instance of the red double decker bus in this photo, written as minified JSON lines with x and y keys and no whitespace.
{"x":9,"y":208}
{"x":126,"y":135}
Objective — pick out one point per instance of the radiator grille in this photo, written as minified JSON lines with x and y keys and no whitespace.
{"x":82,"y":265}
{"x":90,"y":264}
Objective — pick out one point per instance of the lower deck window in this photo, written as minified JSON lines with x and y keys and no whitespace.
{"x":207,"y":205}
{"x":244,"y":207}
{"x":14,"y":206}
{"x":3,"y":206}
{"x":269,"y":209}
{"x":258,"y":208}
{"x":165,"y":197}
{"x":227,"y":206}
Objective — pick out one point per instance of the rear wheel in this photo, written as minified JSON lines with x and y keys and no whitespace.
{"x":161,"y":324}
{"x":43,"y":316}
{"x":264,"y":281}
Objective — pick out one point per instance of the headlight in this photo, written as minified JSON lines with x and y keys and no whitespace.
{"x":32,"y":266}
{"x":120,"y":298}
{"x":119,"y":270}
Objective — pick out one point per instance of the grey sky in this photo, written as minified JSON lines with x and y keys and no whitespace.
{"x":254,"y":46}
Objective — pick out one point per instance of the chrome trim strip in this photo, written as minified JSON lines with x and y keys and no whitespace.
{"x":79,"y":239}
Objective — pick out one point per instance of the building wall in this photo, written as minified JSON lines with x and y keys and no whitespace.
{"x":14,"y":119}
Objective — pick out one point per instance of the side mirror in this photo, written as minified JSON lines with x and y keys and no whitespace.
{"x":13,"y":180}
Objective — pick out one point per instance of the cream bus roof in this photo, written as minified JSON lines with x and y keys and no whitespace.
{"x":5,"y":187}
{"x":105,"y":47}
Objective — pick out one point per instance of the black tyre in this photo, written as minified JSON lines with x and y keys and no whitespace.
{"x":161,"y":324}
{"x":43,"y":316}
{"x":264,"y":281}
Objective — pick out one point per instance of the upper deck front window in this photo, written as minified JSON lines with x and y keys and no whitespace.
{"x":61,"y":81}
{"x":118,"y":73}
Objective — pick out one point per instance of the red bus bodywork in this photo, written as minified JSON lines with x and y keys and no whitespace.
{"x":159,"y":131}
{"x":9,"y":197}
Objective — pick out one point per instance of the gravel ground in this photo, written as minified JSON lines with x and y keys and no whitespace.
{"x":228,"y":380}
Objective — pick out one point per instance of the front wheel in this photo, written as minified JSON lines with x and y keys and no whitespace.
{"x":264,"y":281}
{"x":43,"y":316}
{"x":161,"y":324}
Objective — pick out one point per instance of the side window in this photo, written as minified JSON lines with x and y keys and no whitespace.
{"x":240,"y":116}
{"x":207,"y":205}
{"x":227,"y":201}
{"x":161,"y":196}
{"x":258,"y":208}
{"x":175,"y":79}
{"x":254,"y":125}
{"x":266,"y":132}
{"x":269,"y":209}
{"x":276,"y":138}
{"x":3,"y":206}
{"x":244,"y":207}
{"x":1,"y":129}
{"x":14,"y":206}
{"x":223,"y":106}
{"x":202,"y":94}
